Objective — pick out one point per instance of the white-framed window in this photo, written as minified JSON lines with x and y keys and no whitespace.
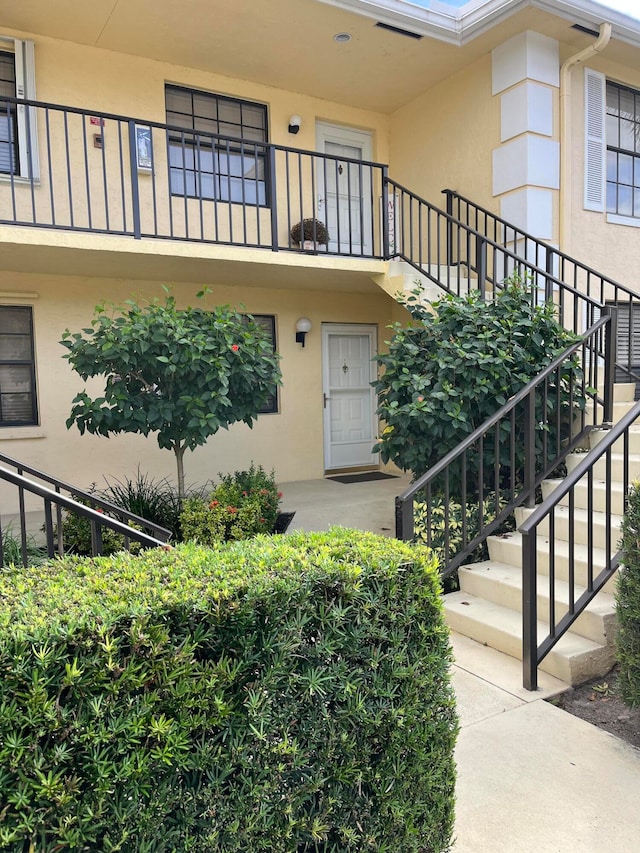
{"x":623,"y":150}
{"x":18,"y":131}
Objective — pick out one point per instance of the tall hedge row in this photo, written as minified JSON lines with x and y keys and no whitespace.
{"x":285,"y":694}
{"x":628,"y":602}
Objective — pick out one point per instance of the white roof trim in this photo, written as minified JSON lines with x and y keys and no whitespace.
{"x":459,"y":26}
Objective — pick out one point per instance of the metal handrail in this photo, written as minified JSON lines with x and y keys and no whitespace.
{"x":622,"y":294}
{"x":534,"y":651}
{"x":532,"y":476}
{"x":98,"y":519}
{"x":160,"y":532}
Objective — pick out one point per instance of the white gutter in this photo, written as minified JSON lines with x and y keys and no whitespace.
{"x":566,"y":195}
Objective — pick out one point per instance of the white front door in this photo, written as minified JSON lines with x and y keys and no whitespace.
{"x":350,"y":423}
{"x":344,"y":188}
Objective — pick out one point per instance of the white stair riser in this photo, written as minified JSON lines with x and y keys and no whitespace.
{"x":597,"y":435}
{"x":596,"y":623}
{"x":509,"y":551}
{"x":580,"y":528}
{"x":623,"y":392}
{"x":599,"y":502}
{"x":568,"y":660}
{"x":617,"y":466}
{"x":619,"y":410}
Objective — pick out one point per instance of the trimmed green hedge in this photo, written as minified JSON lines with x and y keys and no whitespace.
{"x":628,"y":601}
{"x":286,"y":694}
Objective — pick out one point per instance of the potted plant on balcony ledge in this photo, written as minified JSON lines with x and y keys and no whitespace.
{"x":309,"y":234}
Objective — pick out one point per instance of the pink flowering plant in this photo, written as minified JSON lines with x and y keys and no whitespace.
{"x":242,"y":505}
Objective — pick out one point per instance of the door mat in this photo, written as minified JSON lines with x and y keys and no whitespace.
{"x":366,"y":477}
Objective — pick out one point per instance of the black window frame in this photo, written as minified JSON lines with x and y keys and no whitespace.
{"x":196,"y":143}
{"x":30,"y":363}
{"x":268,"y":323}
{"x":622,"y":190}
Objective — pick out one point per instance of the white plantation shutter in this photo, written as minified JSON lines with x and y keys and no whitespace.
{"x":595,"y":87}
{"x":24,"y":56}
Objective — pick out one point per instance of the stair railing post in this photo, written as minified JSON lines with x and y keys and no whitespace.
{"x":386,"y":248}
{"x":481,"y":265}
{"x":529,"y":612}
{"x":548,"y":283}
{"x":449,"y":195}
{"x":135,"y":189}
{"x":530,"y":449}
{"x":610,"y":344}
{"x":273,"y":197}
{"x":404,"y":519}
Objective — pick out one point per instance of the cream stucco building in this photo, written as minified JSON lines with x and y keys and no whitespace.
{"x":144,"y":144}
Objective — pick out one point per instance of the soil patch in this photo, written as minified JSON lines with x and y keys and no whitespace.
{"x":598,"y":703}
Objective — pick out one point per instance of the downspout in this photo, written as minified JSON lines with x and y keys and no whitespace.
{"x":566,"y":196}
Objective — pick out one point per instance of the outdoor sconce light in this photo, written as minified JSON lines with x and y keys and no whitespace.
{"x":294,"y":124}
{"x":302,"y":327}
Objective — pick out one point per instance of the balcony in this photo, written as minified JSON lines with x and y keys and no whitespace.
{"x":150,"y":190}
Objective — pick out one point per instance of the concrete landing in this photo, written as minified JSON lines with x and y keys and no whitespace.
{"x":531,"y":777}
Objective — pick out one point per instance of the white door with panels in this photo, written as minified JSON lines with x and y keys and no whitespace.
{"x":344,"y":187}
{"x":350,"y":423}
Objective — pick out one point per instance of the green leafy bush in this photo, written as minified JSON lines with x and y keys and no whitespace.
{"x":628,"y":602}
{"x":76,"y":535}
{"x":432,"y":528}
{"x":242,"y":505}
{"x":457,"y":364}
{"x":285,"y":694}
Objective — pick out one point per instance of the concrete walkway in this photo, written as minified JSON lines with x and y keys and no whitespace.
{"x":531,"y":777}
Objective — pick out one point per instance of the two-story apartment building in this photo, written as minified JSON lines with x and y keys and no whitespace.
{"x":144,"y":144}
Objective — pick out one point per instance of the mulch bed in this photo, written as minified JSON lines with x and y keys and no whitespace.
{"x":598,"y":703}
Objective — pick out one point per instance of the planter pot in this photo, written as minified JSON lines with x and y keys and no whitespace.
{"x":283,"y":521}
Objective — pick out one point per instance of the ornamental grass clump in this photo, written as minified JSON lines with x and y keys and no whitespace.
{"x":284,"y":694}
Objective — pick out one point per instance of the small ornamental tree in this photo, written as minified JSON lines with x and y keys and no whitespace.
{"x":181,"y":373}
{"x":459,"y":361}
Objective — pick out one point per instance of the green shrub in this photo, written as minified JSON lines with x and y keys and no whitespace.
{"x":241,"y":506}
{"x":12,"y":548}
{"x":286,"y":694}
{"x":628,"y":601}
{"x":76,"y":535}
{"x":458,"y":362}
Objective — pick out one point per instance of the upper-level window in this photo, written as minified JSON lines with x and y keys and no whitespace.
{"x":8,"y":124}
{"x":623,"y":150}
{"x":17,"y":367}
{"x":210,"y":167}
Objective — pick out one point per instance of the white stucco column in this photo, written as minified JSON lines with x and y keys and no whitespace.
{"x":526,"y":165}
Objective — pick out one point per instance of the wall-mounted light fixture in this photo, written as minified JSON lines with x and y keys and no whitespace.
{"x":303,"y":326}
{"x":295,"y":123}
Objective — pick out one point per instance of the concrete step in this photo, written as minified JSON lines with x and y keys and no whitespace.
{"x":581,"y":495}
{"x":507,"y":548}
{"x":617,"y":465}
{"x":597,"y":435}
{"x":502,"y":584}
{"x":620,"y":408}
{"x":573,"y":659}
{"x":580,"y":531}
{"x":622,"y":392}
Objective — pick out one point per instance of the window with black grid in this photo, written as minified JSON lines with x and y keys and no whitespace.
{"x":268,"y":323}
{"x":623,"y":150}
{"x":17,"y":367}
{"x":206,"y":166}
{"x":9,"y":163}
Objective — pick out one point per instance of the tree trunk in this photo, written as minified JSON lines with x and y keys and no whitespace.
{"x":179,"y":449}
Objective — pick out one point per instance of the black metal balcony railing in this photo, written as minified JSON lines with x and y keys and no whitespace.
{"x":104,"y":173}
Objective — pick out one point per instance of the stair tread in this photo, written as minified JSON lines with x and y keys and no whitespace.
{"x":603,"y":603}
{"x":509,"y":621}
{"x":580,"y":514}
{"x":580,"y":552}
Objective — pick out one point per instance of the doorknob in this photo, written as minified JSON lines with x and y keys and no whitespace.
{"x":324,"y":401}
{"x":320,"y":201}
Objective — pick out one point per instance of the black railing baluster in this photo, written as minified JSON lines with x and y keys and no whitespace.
{"x":135,"y":189}
{"x":273,"y":196}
